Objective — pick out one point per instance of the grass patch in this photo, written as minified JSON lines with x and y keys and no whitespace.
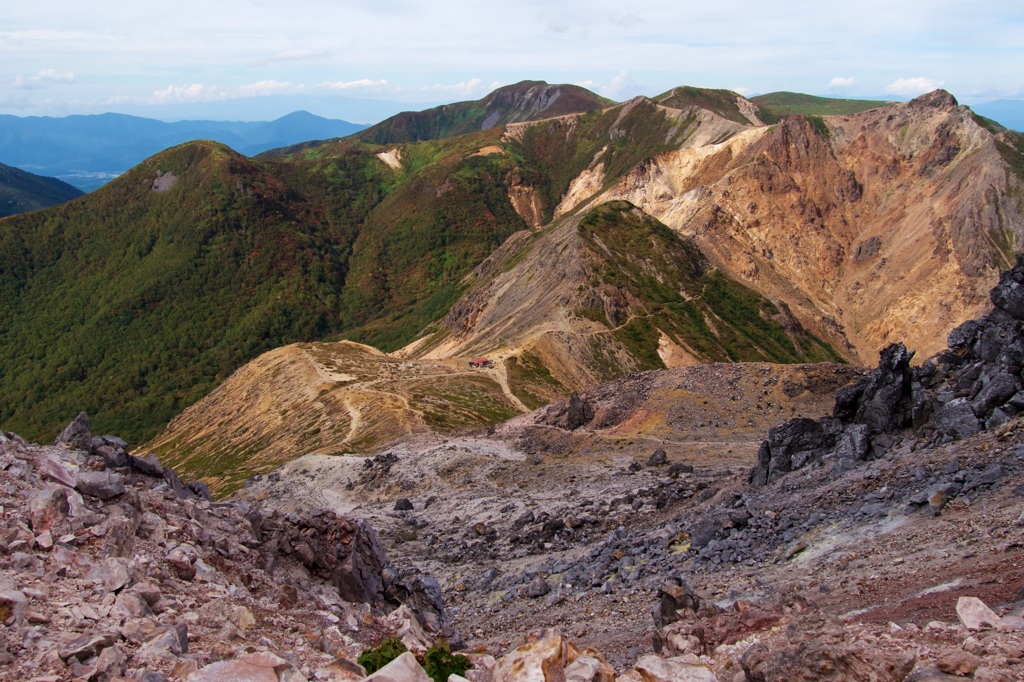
{"x":531,"y":381}
{"x":778,"y":105}
{"x":455,"y":404}
{"x":819,"y":127}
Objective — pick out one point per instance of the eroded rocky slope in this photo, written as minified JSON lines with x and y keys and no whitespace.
{"x":883,"y":226}
{"x":861,"y":558}
{"x":112,"y":568}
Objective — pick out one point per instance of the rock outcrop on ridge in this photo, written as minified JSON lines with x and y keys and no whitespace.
{"x":974,"y":386}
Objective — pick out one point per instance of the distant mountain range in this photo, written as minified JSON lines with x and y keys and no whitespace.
{"x":1008,"y":112}
{"x":21,"y":191}
{"x":88,"y":151}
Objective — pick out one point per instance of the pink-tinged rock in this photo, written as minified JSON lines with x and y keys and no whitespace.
{"x":542,"y":659}
{"x":87,"y":646}
{"x":141,"y":630}
{"x":12,"y":607}
{"x":258,"y":667}
{"x":407,"y":628}
{"x":174,"y":640}
{"x":341,"y":670}
{"x":112,"y":573}
{"x":654,"y":668}
{"x":48,"y":508}
{"x":131,"y":605}
{"x":974,"y":614}
{"x":1010,"y":624}
{"x":405,"y":668}
{"x":50,"y":467}
{"x":44,"y":540}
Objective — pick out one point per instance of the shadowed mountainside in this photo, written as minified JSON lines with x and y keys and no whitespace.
{"x":21,"y":192}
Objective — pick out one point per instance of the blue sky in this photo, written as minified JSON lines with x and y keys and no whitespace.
{"x":258,"y":59}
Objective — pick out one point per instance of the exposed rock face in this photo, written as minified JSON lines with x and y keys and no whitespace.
{"x":973,"y":386}
{"x":810,"y":215}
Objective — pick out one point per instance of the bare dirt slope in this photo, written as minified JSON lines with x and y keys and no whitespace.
{"x":327,"y":398}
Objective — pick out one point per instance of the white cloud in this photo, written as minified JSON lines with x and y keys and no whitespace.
{"x":620,"y":87}
{"x":556,"y":27}
{"x":42,"y":78}
{"x":841,"y":82}
{"x":462,"y":89}
{"x":188,"y":93}
{"x":198,"y":92}
{"x":364,"y":83}
{"x":743,"y":91}
{"x":264,"y":88}
{"x":911,"y":87}
{"x":627,"y":20}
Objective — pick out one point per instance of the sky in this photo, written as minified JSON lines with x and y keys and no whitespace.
{"x":259,"y":59}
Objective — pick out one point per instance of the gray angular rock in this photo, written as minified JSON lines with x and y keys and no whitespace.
{"x":658,"y":458}
{"x":995,"y":391}
{"x":1008,"y":295}
{"x":579,"y":412}
{"x":148,"y":465}
{"x":113,"y":573}
{"x":538,"y":587}
{"x":102,"y":484}
{"x":77,"y":434}
{"x":957,"y":420}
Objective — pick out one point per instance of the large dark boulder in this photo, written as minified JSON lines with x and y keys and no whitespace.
{"x":882,"y":400}
{"x":1008,"y":295}
{"x":77,"y":434}
{"x":579,"y":414}
{"x":792,"y":445}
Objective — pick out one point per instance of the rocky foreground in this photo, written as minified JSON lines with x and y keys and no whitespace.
{"x":866,"y":545}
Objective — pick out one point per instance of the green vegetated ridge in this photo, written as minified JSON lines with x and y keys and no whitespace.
{"x":133,"y":303}
{"x":1011,"y":147}
{"x":776,"y":105}
{"x":679,"y":294}
{"x":524,"y":101}
{"x":21,"y":191}
{"x":721,"y":102}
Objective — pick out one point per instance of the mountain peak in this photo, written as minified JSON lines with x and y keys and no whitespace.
{"x":935,"y":99}
{"x":523,"y":101}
